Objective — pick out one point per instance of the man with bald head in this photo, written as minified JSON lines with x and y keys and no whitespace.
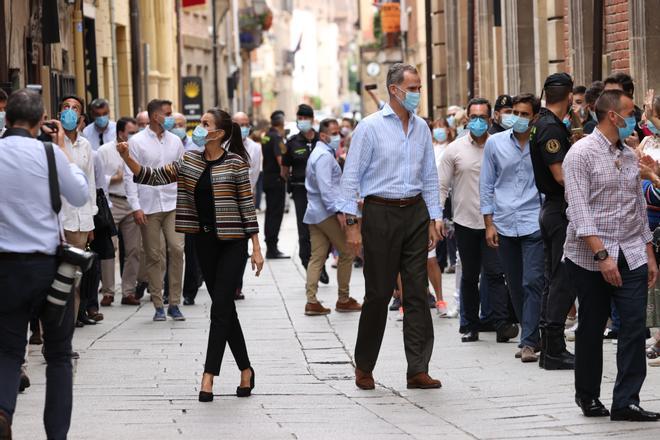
{"x":142,"y":119}
{"x":179,"y":130}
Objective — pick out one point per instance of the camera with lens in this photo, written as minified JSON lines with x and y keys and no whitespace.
{"x":72,"y":263}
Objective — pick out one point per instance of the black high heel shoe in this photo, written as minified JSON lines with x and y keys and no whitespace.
{"x":205,"y":396}
{"x":246,"y":391}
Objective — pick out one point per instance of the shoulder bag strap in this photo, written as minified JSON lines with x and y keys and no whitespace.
{"x":53,"y":184}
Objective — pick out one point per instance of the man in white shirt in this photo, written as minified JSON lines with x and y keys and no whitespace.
{"x":142,"y":119}
{"x":78,"y":222}
{"x":180,"y":130}
{"x":154,"y":207}
{"x":253,"y":148}
{"x":113,"y":169}
{"x":459,"y":169}
{"x":102,"y":130}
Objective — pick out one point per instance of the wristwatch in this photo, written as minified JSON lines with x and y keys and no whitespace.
{"x":601,"y":255}
{"x":350,"y":221}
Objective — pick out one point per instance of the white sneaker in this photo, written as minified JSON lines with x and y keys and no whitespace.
{"x":570,"y":333}
{"x":453,"y":313}
{"x":441,"y":308}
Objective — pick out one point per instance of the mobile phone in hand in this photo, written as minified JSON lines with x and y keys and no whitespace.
{"x":370,"y":86}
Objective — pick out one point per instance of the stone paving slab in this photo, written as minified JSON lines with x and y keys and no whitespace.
{"x":137,"y":379}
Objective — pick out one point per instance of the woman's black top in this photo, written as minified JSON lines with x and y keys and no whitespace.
{"x":204,"y":199}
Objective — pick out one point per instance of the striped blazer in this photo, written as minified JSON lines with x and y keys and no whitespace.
{"x":235,"y":217}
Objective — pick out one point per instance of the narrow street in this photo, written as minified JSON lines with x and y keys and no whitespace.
{"x":139,"y":379}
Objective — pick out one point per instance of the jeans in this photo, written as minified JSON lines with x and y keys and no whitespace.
{"x":523,"y":262}
{"x":24,"y":284}
{"x":477,"y":256}
{"x":221,"y":262}
{"x":594,"y":296}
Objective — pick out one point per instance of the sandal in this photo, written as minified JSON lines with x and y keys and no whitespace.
{"x":653,"y":352}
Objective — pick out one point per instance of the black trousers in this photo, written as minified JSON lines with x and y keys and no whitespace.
{"x":558,"y":294}
{"x":274,"y":189}
{"x":221,"y":261}
{"x":24,"y":284}
{"x":192,"y":277}
{"x":594,"y":296}
{"x":476,"y":254}
{"x":395,"y":241}
{"x":304,"y":243}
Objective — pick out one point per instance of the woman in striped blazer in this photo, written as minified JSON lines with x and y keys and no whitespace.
{"x":214,"y":202}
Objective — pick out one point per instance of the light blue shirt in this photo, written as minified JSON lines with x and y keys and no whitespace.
{"x":322,"y":178}
{"x":384,"y":161}
{"x":27,"y":221}
{"x":507,"y":187}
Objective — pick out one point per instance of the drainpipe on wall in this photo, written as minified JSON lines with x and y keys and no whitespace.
{"x":237,"y":48}
{"x":78,"y":48}
{"x":115,"y":74}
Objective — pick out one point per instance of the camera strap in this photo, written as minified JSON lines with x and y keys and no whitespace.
{"x":54,"y":186}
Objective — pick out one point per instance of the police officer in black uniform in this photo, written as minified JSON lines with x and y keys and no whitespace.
{"x":273,"y":148}
{"x":294,"y":163}
{"x":503,"y":106}
{"x":549,"y":142}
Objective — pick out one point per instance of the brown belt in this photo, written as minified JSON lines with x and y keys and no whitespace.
{"x":399,"y":203}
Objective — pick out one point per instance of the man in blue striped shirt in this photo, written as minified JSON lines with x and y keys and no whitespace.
{"x":510,"y":204}
{"x":391,"y":166}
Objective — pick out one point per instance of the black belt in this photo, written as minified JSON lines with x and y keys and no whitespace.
{"x":117,"y":196}
{"x":399,"y":203}
{"x":14,"y":256}
{"x":207,"y":228}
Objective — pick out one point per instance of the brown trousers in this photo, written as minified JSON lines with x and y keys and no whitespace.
{"x":395,"y":241}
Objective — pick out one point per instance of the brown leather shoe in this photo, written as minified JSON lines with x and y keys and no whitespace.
{"x":364,"y":381}
{"x":130,"y":300}
{"x":423,"y":381}
{"x":527,"y":355}
{"x":351,"y":305}
{"x":5,"y":426}
{"x":94,"y":315}
{"x":107,"y":300}
{"x":315,"y":309}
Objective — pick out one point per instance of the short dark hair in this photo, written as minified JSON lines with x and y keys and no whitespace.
{"x":528,"y":98}
{"x":607,"y":101}
{"x":277,"y":118}
{"x":26,"y":106}
{"x":77,"y":98}
{"x":3,"y":96}
{"x":478,"y":101}
{"x":98,"y":104}
{"x":325,"y":124}
{"x":579,"y":90}
{"x":624,"y":80}
{"x":555,"y":94}
{"x":156,"y":104}
{"x":593,"y":92}
{"x":396,"y":73}
{"x":122,"y":122}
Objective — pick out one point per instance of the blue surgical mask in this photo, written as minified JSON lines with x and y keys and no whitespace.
{"x":199,"y":136}
{"x":440,"y":134}
{"x":245,"y":131}
{"x":304,"y":125}
{"x":593,"y":115}
{"x":521,"y":125}
{"x":69,"y":119}
{"x":567,"y":122}
{"x":168,"y":123}
{"x":451,"y":120}
{"x":477,"y":126}
{"x":508,"y":120}
{"x":180,"y":132}
{"x":2,"y":120}
{"x":625,"y":132}
{"x":411,"y":100}
{"x":652,"y":128}
{"x":334,"y":142}
{"x":102,"y":121}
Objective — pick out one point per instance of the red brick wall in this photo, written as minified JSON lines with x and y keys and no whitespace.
{"x":616,"y":34}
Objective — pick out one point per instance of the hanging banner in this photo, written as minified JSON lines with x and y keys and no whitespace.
{"x":188,"y":3}
{"x":192,"y":100}
{"x":390,"y":17}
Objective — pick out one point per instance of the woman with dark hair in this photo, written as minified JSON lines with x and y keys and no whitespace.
{"x":215,"y":203}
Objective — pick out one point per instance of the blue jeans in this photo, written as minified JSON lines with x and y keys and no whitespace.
{"x":523,"y":261}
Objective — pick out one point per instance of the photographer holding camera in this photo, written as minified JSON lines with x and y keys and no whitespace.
{"x":32,"y":176}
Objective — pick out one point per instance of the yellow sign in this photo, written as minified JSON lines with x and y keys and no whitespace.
{"x":390,"y":17}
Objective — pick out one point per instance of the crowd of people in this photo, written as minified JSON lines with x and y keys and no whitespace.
{"x":544,"y":207}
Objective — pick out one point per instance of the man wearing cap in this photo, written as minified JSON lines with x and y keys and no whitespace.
{"x":502,"y":122}
{"x":272,"y":148}
{"x":294,"y":162}
{"x":549,"y":142}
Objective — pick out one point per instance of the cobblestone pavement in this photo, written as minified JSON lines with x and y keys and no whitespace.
{"x":138,"y":379}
